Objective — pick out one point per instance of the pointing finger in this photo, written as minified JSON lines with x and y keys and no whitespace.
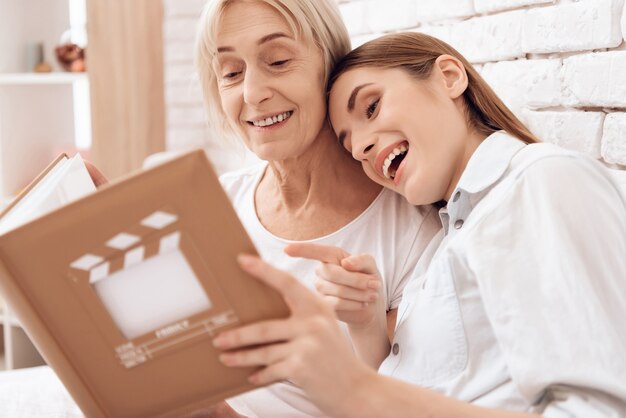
{"x":323,"y":253}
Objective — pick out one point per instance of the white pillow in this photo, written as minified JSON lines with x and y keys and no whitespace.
{"x":35,"y":392}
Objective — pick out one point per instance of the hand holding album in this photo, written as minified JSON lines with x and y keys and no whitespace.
{"x":96,"y":175}
{"x":122,"y":288}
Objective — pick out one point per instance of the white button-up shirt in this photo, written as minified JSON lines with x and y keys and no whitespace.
{"x":523,"y":304}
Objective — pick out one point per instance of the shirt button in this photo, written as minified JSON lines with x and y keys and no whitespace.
{"x":458,"y":224}
{"x":395,"y":349}
{"x":456,"y":197}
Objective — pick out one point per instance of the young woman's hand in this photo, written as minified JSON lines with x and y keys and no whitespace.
{"x":308,"y":348}
{"x":351,"y":284}
{"x":219,"y":410}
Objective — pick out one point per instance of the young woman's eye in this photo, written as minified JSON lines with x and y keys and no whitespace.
{"x":371,"y":108}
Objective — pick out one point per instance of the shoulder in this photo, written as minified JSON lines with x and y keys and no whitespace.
{"x":549,"y":168}
{"x":238,"y":181}
{"x":545,"y":158}
{"x":548,"y":188}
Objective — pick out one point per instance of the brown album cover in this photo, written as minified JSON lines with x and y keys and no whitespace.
{"x":122,"y":290}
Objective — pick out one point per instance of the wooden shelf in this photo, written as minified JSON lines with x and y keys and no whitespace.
{"x":41,"y":114}
{"x":10,"y":79}
{"x":12,"y":321}
{"x":7,"y":319}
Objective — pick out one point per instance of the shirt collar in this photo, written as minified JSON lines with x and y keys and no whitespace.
{"x":484,"y":169}
{"x":489,"y":162}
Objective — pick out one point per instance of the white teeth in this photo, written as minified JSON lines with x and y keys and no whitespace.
{"x":272,"y":120}
{"x":402,"y":149}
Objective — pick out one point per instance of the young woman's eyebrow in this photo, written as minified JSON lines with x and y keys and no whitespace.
{"x":352,"y":98}
{"x":351,"y":101}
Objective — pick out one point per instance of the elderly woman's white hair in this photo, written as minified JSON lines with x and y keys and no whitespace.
{"x":317,"y":21}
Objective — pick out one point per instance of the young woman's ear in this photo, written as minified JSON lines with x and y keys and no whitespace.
{"x":453,"y":74}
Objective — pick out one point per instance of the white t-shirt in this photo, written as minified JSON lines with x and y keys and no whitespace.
{"x":523,"y":300}
{"x":394,"y":232}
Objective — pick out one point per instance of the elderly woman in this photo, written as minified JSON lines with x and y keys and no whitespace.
{"x":263,"y":65}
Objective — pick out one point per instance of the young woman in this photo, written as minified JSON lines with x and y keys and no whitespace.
{"x":519,"y":308}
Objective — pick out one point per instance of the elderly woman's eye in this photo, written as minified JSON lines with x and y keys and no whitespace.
{"x":279,"y":63}
{"x":231,"y":74}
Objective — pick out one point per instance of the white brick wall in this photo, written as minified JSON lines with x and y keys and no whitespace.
{"x":354,"y":14}
{"x":489,"y":6}
{"x":577,"y":130}
{"x":584,"y":25}
{"x":383,"y":18}
{"x":540,"y":76}
{"x":436,"y":10}
{"x":607,"y":88}
{"x":489,"y":38}
{"x":613,"y":149}
{"x":559,"y":64}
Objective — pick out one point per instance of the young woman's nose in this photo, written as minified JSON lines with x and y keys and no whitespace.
{"x":362,"y":150}
{"x":256,"y":88}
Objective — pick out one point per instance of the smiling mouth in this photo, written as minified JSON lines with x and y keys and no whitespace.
{"x":272,"y":120}
{"x":393,"y":160}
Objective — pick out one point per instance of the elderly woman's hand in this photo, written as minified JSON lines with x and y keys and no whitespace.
{"x":351,"y":284}
{"x":308,"y":348}
{"x":96,"y":175}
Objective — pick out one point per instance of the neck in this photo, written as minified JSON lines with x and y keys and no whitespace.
{"x":473,"y":140}
{"x":320,"y":175}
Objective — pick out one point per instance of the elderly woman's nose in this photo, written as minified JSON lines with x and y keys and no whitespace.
{"x":256,"y":88}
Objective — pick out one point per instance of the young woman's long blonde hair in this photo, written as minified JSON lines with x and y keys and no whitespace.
{"x":416,"y":54}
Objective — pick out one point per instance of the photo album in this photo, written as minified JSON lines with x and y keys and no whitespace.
{"x":122,"y":288}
